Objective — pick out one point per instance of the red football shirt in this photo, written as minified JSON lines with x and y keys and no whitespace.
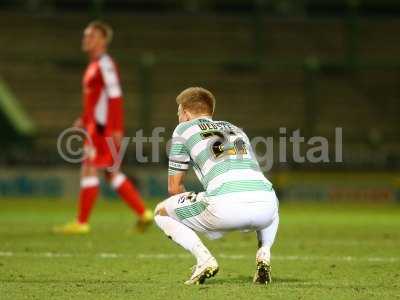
{"x":102,"y":97}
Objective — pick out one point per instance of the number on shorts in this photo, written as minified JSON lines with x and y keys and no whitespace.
{"x":191,"y":197}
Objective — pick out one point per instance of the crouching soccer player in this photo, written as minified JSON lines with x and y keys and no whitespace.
{"x":102,"y":120}
{"x":237,"y":196}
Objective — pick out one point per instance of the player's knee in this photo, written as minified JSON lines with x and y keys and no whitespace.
{"x":116,"y":180}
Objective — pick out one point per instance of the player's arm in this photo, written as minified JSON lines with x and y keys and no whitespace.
{"x":179,"y":161}
{"x":113,"y":89}
{"x":175,"y":183}
{"x":117,"y":122}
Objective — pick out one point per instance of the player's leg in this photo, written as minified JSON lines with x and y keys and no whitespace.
{"x":131,"y":196}
{"x":88,"y":193}
{"x":185,"y":236}
{"x":266,"y":238}
{"x":89,"y":189}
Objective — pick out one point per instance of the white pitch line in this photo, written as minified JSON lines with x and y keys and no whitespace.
{"x":109,"y":255}
{"x":163,"y":256}
{"x":281,"y":257}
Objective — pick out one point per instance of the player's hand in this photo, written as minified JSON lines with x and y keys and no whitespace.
{"x":78,"y":123}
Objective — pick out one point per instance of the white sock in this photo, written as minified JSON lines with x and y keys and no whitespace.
{"x":266,"y":238}
{"x":264,"y":253}
{"x":183,"y":236}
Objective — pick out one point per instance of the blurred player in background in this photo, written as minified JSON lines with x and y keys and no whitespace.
{"x":237,"y":196}
{"x":102,"y":118}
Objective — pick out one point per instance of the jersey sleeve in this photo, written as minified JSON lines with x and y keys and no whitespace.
{"x":110,"y":78}
{"x":179,"y":157}
{"x":113,"y":90}
{"x":91,"y":94}
{"x":117,"y":115}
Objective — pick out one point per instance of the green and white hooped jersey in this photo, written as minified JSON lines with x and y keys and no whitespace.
{"x":220,"y":154}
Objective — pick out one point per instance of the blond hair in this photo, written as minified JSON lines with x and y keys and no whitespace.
{"x":105,"y":29}
{"x":197,"y":100}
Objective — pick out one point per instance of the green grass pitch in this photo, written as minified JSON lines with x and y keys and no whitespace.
{"x":323,"y":251}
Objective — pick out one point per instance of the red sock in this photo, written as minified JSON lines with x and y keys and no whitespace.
{"x":129,"y":193}
{"x":87,"y":197}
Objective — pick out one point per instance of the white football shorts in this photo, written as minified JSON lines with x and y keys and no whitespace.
{"x":214,"y":215}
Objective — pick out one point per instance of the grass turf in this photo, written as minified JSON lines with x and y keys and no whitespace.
{"x":323,"y":251}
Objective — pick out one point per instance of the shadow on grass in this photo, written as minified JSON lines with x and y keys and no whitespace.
{"x":286,"y":280}
{"x":242,"y":279}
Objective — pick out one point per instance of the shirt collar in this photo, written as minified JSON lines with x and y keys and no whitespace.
{"x":203,"y":117}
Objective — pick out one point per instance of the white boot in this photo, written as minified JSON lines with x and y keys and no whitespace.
{"x":202,"y":271}
{"x":263,"y":271}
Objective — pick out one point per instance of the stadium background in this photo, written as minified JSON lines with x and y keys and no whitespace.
{"x":294,"y":64}
{"x":309,"y":65}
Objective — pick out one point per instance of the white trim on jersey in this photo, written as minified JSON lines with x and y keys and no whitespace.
{"x":110,"y":77}
{"x":101,"y":109}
